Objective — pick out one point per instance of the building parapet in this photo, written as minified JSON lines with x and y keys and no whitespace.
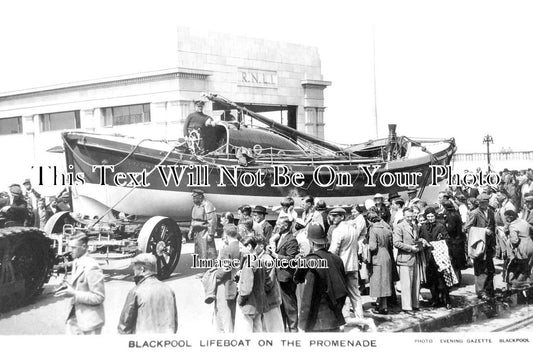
{"x":181,"y":73}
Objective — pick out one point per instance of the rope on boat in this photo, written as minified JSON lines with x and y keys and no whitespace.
{"x":133,"y":188}
{"x":125,"y":158}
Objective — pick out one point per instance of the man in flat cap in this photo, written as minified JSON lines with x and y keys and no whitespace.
{"x":86,"y":289}
{"x":324,"y":290}
{"x":261,"y":225}
{"x":344,"y":243}
{"x":150,"y":306}
{"x":203,"y":226}
{"x":63,"y":202}
{"x":203,"y":124}
{"x":483,"y":217}
{"x":31,"y":197}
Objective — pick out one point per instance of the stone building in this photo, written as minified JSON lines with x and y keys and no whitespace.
{"x":266,"y":76}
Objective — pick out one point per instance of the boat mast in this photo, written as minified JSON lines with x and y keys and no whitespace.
{"x":292,"y":133}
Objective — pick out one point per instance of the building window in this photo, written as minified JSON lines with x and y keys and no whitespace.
{"x":11,"y":125}
{"x":121,"y":115}
{"x":60,"y":120}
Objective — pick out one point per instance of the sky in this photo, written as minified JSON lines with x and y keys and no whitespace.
{"x":443,"y":69}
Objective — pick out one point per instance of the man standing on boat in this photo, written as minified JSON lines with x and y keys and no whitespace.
{"x":203,"y":226}
{"x":202,"y":123}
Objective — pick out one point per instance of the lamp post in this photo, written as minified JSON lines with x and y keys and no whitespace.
{"x":488,"y":140}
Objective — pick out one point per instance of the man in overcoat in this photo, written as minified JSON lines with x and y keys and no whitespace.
{"x":150,"y":306}
{"x":324,"y":291}
{"x":405,"y":239}
{"x":483,"y":217}
{"x":287,"y":248}
{"x":86,"y":289}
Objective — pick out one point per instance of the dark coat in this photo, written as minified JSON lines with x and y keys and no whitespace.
{"x":380,"y":241}
{"x":272,"y":289}
{"x":226,"y":276}
{"x":384,"y":213}
{"x":150,"y":308}
{"x":432,"y":232}
{"x":324,"y":293}
{"x":287,"y":249}
{"x":477,"y":219}
{"x":252,"y":294}
{"x":264,"y":230}
{"x":457,"y":241}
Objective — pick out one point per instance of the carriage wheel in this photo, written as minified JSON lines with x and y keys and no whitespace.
{"x":161,"y":237}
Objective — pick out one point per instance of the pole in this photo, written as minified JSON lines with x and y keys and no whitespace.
{"x":488,"y":155}
{"x":488,"y":139}
{"x":375,"y":84}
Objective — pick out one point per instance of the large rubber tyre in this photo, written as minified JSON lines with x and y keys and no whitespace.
{"x":25,"y":259}
{"x":161,"y":237}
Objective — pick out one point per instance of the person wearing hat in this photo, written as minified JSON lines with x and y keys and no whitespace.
{"x":86,"y":289}
{"x":31,"y":197}
{"x":434,"y":231}
{"x":63,"y":202}
{"x":287,"y":248}
{"x":203,"y":226}
{"x":324,"y":289}
{"x":261,"y":226}
{"x":527,"y":212}
{"x":519,"y":233}
{"x":310,"y":214}
{"x":150,"y":306}
{"x":244,"y":213}
{"x":483,"y":217}
{"x":203,"y":124}
{"x":381,"y":261}
{"x":252,"y":296}
{"x":226,"y":292}
{"x":502,"y":203}
{"x":382,"y":210}
{"x":16,"y":210}
{"x":406,"y":240}
{"x":322,"y":208}
{"x":227,"y":116}
{"x":272,"y":320}
{"x":344,"y":243}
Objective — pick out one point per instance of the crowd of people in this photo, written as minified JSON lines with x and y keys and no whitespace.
{"x":24,"y":206}
{"x":384,"y":247}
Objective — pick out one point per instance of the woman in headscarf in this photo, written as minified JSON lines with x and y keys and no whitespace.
{"x":380,"y":242}
{"x":433,"y":231}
